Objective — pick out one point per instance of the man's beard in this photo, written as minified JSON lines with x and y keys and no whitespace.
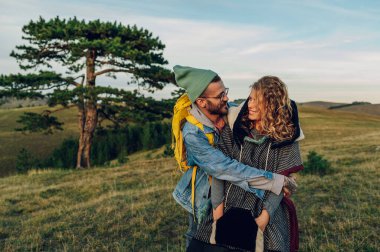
{"x":217,"y":110}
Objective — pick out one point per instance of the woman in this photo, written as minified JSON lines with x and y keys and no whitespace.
{"x":261,"y":133}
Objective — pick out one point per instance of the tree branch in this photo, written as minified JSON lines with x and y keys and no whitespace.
{"x":106,"y":62}
{"x":113,"y":70}
{"x":48,"y":88}
{"x":107,"y":117}
{"x":77,"y":84}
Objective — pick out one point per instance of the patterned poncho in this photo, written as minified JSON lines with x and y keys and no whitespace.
{"x":281,"y":234}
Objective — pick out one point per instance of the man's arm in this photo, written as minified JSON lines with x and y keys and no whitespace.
{"x":218,"y":165}
{"x":271,"y":204}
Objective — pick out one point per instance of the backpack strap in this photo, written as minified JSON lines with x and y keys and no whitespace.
{"x":210,"y":136}
{"x":193,"y":176}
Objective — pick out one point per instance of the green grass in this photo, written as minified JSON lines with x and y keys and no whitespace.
{"x":130,"y":208}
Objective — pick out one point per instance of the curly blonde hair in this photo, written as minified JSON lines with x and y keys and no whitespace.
{"x":276,"y":121}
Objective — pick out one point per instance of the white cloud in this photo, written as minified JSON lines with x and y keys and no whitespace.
{"x":240,"y":53}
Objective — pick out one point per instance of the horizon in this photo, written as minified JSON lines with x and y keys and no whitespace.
{"x":6,"y":99}
{"x":323,"y":50}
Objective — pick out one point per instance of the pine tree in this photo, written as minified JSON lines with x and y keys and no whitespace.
{"x":86,"y":51}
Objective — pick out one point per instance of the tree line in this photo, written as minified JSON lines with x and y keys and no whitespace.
{"x":109,"y":144}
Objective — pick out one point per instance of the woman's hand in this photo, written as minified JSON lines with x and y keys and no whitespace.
{"x":263,"y":220}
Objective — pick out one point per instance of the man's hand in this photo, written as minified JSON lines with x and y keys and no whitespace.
{"x":263,"y":220}
{"x":287,"y":192}
{"x":290,"y":185}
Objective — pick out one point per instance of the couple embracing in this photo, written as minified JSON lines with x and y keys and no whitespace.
{"x":238,"y":164}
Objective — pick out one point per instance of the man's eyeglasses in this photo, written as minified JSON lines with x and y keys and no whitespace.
{"x":221,"y":96}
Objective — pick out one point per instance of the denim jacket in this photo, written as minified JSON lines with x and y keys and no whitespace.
{"x":213,"y":162}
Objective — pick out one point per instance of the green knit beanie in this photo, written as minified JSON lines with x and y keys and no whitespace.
{"x":194,"y":80}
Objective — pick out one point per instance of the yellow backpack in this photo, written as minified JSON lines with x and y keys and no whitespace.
{"x":180,"y":116}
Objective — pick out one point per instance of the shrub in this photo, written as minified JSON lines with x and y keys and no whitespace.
{"x":168,"y":152}
{"x":123,"y":158}
{"x":316,"y":164}
{"x":24,"y":161}
{"x":63,"y":156}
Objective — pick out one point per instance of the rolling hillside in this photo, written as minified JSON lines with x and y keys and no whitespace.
{"x":37,"y":144}
{"x":130,"y":208}
{"x":7,"y":103}
{"x":369,"y":109}
{"x":320,"y":104}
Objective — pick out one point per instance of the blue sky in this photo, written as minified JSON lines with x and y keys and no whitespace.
{"x":323,"y":50}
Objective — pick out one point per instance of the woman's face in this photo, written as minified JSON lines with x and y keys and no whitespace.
{"x":255,"y":106}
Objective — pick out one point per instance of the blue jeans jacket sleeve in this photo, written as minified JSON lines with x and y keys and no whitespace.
{"x":272,"y":203}
{"x":215,"y":163}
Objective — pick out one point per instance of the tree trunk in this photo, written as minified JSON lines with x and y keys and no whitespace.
{"x":81,"y":123}
{"x":88,"y":115}
{"x":89,"y":129}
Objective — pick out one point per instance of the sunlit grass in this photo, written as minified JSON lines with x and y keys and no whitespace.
{"x":127,"y":208}
{"x":130,"y":208}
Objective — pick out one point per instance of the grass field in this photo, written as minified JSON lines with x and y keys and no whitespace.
{"x":130,"y":208}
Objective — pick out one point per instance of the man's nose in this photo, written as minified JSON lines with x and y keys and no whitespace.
{"x":225,"y":98}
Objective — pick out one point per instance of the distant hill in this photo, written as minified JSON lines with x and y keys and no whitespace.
{"x":372,"y":109}
{"x":238,"y":101}
{"x":355,"y":107}
{"x":321,"y":104}
{"x":7,"y":103}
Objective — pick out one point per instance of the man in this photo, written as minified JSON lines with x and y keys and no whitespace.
{"x":209,"y":98}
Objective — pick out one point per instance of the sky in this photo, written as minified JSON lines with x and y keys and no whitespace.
{"x":323,"y":50}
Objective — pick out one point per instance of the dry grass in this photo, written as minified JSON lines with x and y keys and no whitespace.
{"x":126,"y":208}
{"x":130,"y":208}
{"x":340,"y":211}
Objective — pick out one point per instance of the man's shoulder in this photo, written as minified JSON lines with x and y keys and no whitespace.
{"x":192,"y":133}
{"x":189,"y":128}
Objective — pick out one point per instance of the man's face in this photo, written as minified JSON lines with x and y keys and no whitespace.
{"x":216,"y":98}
